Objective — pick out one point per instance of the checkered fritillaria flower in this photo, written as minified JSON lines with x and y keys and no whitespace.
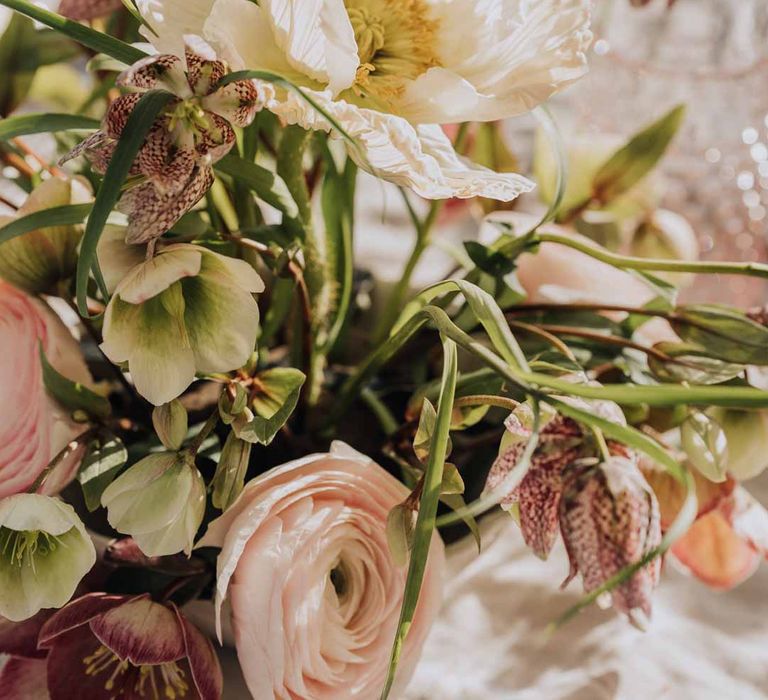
{"x":191,"y":134}
{"x":83,"y":10}
{"x":609,"y":519}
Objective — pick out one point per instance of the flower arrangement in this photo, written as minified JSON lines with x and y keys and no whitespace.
{"x":199,"y":403}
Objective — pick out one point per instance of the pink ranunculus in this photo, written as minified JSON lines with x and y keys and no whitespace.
{"x":33,"y":427}
{"x":315,"y":596}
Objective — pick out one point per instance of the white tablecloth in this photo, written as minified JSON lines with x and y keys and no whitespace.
{"x":489,"y":641}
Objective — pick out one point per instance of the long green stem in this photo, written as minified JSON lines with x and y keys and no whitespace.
{"x":752,"y":269}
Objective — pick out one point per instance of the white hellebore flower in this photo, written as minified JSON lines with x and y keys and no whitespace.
{"x":390,"y":71}
{"x":159,"y":501}
{"x":184,"y":311}
{"x":44,"y":553}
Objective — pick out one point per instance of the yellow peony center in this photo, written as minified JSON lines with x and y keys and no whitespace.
{"x":395,"y":43}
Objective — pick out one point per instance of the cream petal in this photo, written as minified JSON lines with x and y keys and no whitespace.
{"x":156,"y":275}
{"x":389,"y":147}
{"x":240,"y":33}
{"x":116,"y":257}
{"x":318,"y":39}
{"x":514,"y":53}
{"x":171,"y":20}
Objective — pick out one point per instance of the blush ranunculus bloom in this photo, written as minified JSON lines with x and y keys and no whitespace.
{"x":33,"y":427}
{"x":315,"y":596}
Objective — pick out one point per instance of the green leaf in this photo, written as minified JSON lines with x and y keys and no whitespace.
{"x":425,"y":523}
{"x":267,"y":185}
{"x":68,"y":215}
{"x":452,"y":484}
{"x":723,"y":332}
{"x":276,"y":398}
{"x":90,"y":38}
{"x":400,"y":530}
{"x":136,"y":129}
{"x":637,"y":157}
{"x":100,"y":466}
{"x":488,"y":260}
{"x":17,"y":67}
{"x":691,"y":364}
{"x":706,"y":445}
{"x":25,"y":124}
{"x":72,"y":395}
{"x":422,"y":441}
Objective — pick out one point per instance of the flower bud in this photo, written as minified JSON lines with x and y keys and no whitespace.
{"x":186,"y":310}
{"x":37,"y":260}
{"x":666,"y":236}
{"x":44,"y":553}
{"x":746,"y":433}
{"x":159,"y":501}
{"x":171,"y":425}
{"x":609,"y":518}
{"x":229,"y":479}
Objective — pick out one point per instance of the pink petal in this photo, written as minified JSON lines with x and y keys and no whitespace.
{"x":203,"y":662}
{"x":77,"y":613}
{"x":88,"y":9}
{"x":141,"y":631}
{"x":715,"y":554}
{"x":23,"y":679}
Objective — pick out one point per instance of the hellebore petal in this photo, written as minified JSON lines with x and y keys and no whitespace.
{"x":203,"y":662}
{"x":159,"y":501}
{"x":44,"y":553}
{"x":140,"y":631}
{"x":23,"y":678}
{"x":77,"y":613}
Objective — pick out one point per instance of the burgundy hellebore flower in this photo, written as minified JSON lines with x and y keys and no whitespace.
{"x":192,"y":132}
{"x":104,"y":646}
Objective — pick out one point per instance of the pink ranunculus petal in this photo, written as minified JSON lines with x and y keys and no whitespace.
{"x":141,"y":631}
{"x":203,"y":662}
{"x":23,"y":679}
{"x":79,"y":612}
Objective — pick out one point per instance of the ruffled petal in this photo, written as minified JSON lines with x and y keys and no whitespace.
{"x":512,"y":54}
{"x":171,"y":21}
{"x":389,"y":147}
{"x":318,"y":38}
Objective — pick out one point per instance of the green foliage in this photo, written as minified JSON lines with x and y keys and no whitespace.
{"x":72,"y":395}
{"x":273,"y":401}
{"x":103,"y":461}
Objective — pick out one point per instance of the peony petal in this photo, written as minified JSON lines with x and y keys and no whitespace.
{"x":389,"y":147}
{"x":203,"y":662}
{"x":318,"y":38}
{"x":512,"y":54}
{"x":77,"y":613}
{"x":141,"y":631}
{"x":171,"y":21}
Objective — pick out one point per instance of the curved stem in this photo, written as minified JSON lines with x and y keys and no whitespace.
{"x":626,"y":262}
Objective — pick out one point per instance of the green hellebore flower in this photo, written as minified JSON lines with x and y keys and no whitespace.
{"x":747,"y":435}
{"x":186,"y":310}
{"x":159,"y":501}
{"x":37,"y":260}
{"x":44,"y":553}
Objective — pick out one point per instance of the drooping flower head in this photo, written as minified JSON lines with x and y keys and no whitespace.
{"x":44,"y":553}
{"x":389,"y":71}
{"x":186,"y":310}
{"x":610,"y":520}
{"x":110,"y":646}
{"x":314,"y":593}
{"x":193,"y":132}
{"x":88,"y":9}
{"x":159,"y":501}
